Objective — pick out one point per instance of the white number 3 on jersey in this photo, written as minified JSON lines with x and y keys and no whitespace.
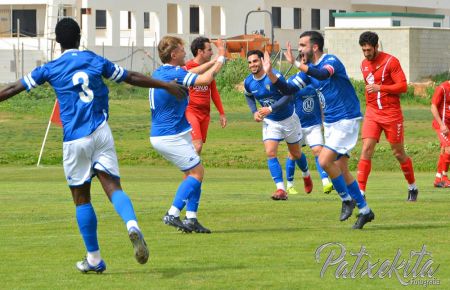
{"x":87,"y":95}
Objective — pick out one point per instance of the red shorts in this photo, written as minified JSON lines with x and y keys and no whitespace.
{"x":393,"y":131}
{"x":443,"y":139}
{"x":199,"y":123}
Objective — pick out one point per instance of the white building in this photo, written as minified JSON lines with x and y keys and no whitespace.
{"x":127,"y":31}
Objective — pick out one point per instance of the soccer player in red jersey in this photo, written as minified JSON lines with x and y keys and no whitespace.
{"x":385,"y":81}
{"x":440,"y":108}
{"x":198,"y":109}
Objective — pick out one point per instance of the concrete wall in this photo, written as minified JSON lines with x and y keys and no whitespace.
{"x":422,"y":51}
{"x":386,"y":21}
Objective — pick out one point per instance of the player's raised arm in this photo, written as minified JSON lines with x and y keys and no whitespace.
{"x":11,"y":90}
{"x":207,"y":65}
{"x":285,"y":87}
{"x":140,"y":80}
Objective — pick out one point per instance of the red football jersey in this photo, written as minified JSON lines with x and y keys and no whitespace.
{"x":384,"y":70}
{"x":200,"y":96}
{"x":441,"y":98}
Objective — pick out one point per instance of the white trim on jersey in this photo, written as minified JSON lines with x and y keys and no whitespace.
{"x":30,"y":81}
{"x":382,"y":80}
{"x":188,"y":79}
{"x":444,"y":106}
{"x":120,"y":74}
{"x":117,"y":74}
{"x":299,"y":82}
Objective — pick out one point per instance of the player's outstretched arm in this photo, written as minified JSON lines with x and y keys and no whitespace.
{"x":140,"y":80}
{"x":207,"y":77}
{"x":207,"y":65}
{"x":267,"y":67}
{"x":281,"y":84}
{"x":11,"y":90}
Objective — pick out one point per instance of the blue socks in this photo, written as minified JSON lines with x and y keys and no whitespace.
{"x":341,"y":187}
{"x":302,"y":163}
{"x":322,"y":172}
{"x":87,"y":223}
{"x":275,"y":169}
{"x":194,"y":197}
{"x":355,"y":193}
{"x":290,"y":169}
{"x":190,"y":188}
{"x":123,"y":206}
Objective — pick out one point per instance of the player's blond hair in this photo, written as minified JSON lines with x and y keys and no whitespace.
{"x":166,"y":46}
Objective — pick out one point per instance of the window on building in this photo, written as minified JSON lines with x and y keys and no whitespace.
{"x":436,"y":24}
{"x":172,"y":18}
{"x":315,"y":19}
{"x":216,"y":20}
{"x":194,"y":20}
{"x":276,"y":17}
{"x":342,"y":11}
{"x":297,"y":18}
{"x":146,"y":20}
{"x":331,"y":18}
{"x":129,"y":19}
{"x":27,"y":22}
{"x":396,"y":23}
{"x":100,"y":19}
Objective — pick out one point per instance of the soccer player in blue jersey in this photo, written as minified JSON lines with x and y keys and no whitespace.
{"x":279,"y":122}
{"x":308,"y":108}
{"x":88,"y":145}
{"x":341,"y":116}
{"x":170,"y":133}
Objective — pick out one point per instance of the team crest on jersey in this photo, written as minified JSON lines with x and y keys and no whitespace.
{"x":268,"y":87}
{"x":370,"y":79}
{"x":268,"y":102}
{"x":366,"y":68}
{"x":308,"y":104}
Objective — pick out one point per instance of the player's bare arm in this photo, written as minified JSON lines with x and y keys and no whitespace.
{"x":267,"y":67}
{"x":207,"y":65}
{"x":140,"y":80}
{"x":442,"y":127}
{"x":11,"y":90}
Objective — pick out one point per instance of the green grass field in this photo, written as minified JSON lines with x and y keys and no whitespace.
{"x":256,"y":243}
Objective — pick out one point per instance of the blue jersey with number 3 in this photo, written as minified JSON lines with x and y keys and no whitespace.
{"x":76,"y":77}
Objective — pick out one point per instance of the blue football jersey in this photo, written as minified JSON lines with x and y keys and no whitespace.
{"x":168,"y":113}
{"x":338,"y":95}
{"x":76,"y":77}
{"x":267,"y":94}
{"x":307,"y":106}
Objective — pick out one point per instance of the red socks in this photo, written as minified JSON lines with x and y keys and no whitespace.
{"x":364,"y":167}
{"x":408,"y":170}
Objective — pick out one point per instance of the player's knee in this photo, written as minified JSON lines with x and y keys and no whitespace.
{"x":271,"y":154}
{"x":447,"y":150}
{"x":316,"y":150}
{"x":296,"y":155}
{"x":197,"y":172}
{"x":400,"y":155}
{"x":324,"y":163}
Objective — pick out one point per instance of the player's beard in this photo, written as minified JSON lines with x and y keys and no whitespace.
{"x":308,"y":57}
{"x":258,"y":69}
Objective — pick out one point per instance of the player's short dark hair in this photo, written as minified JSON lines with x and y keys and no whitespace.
{"x":368,"y":37}
{"x":255,"y":51}
{"x":314,"y":37}
{"x":198,"y":43}
{"x":68,"y":33}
